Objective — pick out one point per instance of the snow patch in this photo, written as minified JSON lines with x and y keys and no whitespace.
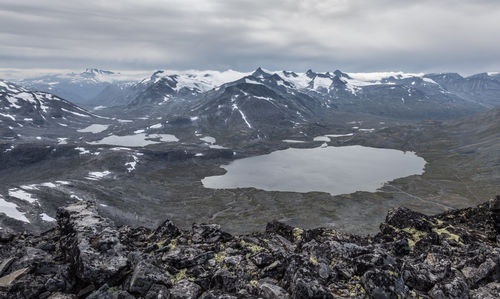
{"x":47,"y":218}
{"x":97,"y":175}
{"x":208,"y":139}
{"x":11,"y":209}
{"x":22,"y":195}
{"x":322,"y":138}
{"x":95,"y":128}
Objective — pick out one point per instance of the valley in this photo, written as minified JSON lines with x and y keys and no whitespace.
{"x":144,"y":159}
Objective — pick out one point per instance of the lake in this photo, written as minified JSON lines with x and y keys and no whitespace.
{"x":334,"y":170}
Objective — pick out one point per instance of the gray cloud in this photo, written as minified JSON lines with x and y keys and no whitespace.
{"x":352,"y":35}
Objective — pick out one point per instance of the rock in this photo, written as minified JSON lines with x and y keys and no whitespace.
{"x":102,"y":293}
{"x":61,"y":296}
{"x":85,"y":291}
{"x":144,"y":276}
{"x":403,"y":218}
{"x":7,"y":280}
{"x":451,"y":255}
{"x":495,"y":212}
{"x":423,"y":276}
{"x":91,"y":244}
{"x":223,"y":280}
{"x":185,"y":256}
{"x":208,"y":233}
{"x":166,"y":230}
{"x":217,"y":295}
{"x":39,"y":261}
{"x":158,"y":291}
{"x":384,"y":284}
{"x":489,"y":291}
{"x":4,"y":266}
{"x":474,"y":275}
{"x":401,"y":247}
{"x":262,"y":259}
{"x":284,"y":230}
{"x":310,"y":289}
{"x":6,"y":236}
{"x":272,"y":291}
{"x":185,"y":289}
{"x":453,"y":287}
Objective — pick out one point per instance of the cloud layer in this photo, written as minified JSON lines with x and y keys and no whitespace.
{"x":352,"y":35}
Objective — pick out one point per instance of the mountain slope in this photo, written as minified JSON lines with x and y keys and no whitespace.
{"x":255,"y":100}
{"x":22,"y":108}
{"x":81,"y":88}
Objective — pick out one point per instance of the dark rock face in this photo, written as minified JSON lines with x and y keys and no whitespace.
{"x":451,"y":255}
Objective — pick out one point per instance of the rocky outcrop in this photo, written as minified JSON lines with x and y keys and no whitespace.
{"x":451,"y":255}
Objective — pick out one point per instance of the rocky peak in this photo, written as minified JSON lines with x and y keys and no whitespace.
{"x":341,"y":74}
{"x":92,"y":72}
{"x":310,"y":74}
{"x":260,"y":73}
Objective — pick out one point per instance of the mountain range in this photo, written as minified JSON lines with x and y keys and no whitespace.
{"x":247,"y":99}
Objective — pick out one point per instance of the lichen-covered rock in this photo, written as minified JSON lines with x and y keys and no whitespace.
{"x":451,"y":255}
{"x":91,"y":244}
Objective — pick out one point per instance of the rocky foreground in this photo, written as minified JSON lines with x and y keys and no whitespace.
{"x":451,"y":255}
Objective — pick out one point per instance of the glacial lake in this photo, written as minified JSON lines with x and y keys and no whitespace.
{"x":334,"y":170}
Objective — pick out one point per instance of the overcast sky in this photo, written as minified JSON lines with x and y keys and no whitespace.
{"x":351,"y":35}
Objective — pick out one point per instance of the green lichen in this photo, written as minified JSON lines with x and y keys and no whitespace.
{"x":161,"y":243}
{"x":356,"y":290}
{"x":416,"y":235}
{"x":297,"y":233}
{"x":392,"y":273}
{"x":254,"y":248}
{"x":220,"y":256}
{"x":173,"y":244}
{"x":449,"y":235}
{"x":333,"y":262}
{"x":180,"y":276}
{"x":254,"y":282}
{"x":313,"y":260}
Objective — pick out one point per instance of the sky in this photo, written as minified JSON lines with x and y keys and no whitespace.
{"x":323,"y":35}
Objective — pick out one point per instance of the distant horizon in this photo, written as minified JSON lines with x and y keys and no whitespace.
{"x":29,"y":73}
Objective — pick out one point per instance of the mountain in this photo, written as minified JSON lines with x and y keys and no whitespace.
{"x":164,"y":85}
{"x":260,"y":98}
{"x":392,"y":95}
{"x":81,"y":88}
{"x":20,"y":107}
{"x":483,"y":89}
{"x":26,"y":114}
{"x":249,"y":101}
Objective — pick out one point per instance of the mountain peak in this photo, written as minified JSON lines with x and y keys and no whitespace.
{"x":341,"y":74}
{"x":92,"y":72}
{"x":259,"y":72}
{"x":310,"y":73}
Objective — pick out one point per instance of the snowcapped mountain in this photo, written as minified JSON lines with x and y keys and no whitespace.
{"x":260,"y":98}
{"x":81,"y":88}
{"x":389,"y":94}
{"x":22,"y":108}
{"x":163,"y":85}
{"x":296,"y":96}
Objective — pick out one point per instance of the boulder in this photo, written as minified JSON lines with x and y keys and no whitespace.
{"x":91,"y":244}
{"x":144,"y":276}
{"x":185,"y":289}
